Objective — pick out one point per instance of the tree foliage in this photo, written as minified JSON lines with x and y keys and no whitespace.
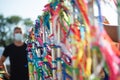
{"x":7,"y":24}
{"x":28,"y":22}
{"x":2,"y":30}
{"x":14,"y":20}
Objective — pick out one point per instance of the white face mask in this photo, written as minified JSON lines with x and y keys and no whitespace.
{"x":18,"y":37}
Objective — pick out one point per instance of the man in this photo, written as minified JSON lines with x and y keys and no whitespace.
{"x":18,"y":57}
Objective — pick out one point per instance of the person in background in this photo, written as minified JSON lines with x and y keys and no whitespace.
{"x":18,"y":57}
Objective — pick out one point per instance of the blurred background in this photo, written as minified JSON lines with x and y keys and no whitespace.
{"x":23,"y":13}
{"x":18,"y":13}
{"x":14,"y":13}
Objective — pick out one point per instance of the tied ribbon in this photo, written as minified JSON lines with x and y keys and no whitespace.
{"x":46,"y":19}
{"x":112,"y":60}
{"x":83,"y":8}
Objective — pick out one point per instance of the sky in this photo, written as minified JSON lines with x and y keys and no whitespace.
{"x":109,"y":10}
{"x":33,"y":8}
{"x":23,"y":8}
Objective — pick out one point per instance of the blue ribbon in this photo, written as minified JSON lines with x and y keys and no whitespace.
{"x":46,"y":18}
{"x":100,"y":15}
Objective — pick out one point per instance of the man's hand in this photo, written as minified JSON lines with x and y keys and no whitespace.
{"x":7,"y":76}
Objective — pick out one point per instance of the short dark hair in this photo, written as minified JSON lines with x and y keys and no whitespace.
{"x":17,"y":28}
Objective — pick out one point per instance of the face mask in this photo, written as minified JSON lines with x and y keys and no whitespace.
{"x":18,"y":37}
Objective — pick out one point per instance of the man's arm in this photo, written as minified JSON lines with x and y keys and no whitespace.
{"x":2,"y":60}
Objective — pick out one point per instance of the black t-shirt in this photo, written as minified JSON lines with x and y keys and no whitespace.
{"x":18,"y":61}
